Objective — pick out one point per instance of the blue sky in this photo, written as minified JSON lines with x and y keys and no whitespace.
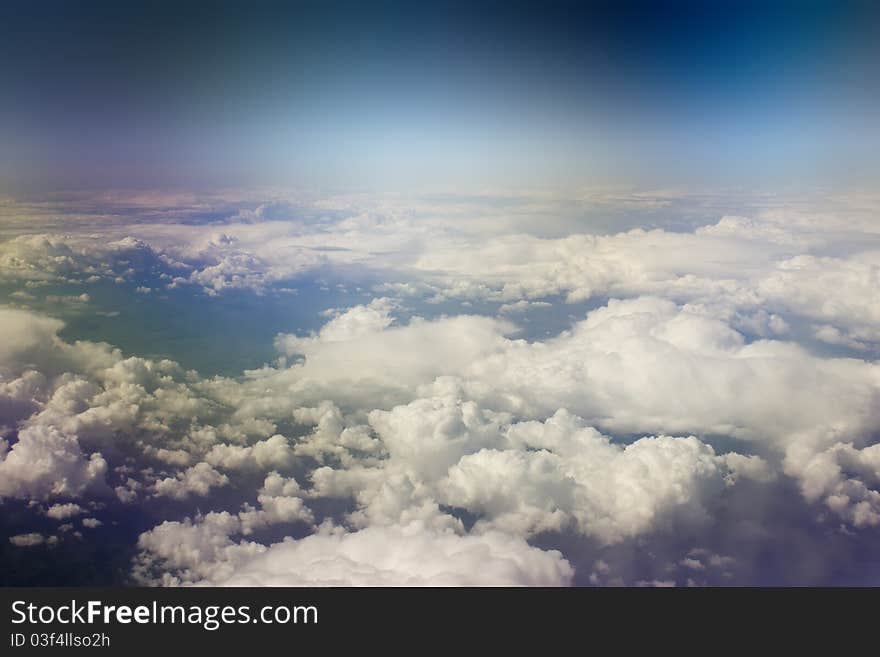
{"x":401,"y":95}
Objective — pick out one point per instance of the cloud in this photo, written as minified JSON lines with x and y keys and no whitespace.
{"x":428,"y":436}
{"x":269,"y":454}
{"x":197,"y":480}
{"x":568,"y":475}
{"x":26,"y":338}
{"x":31,"y":539}
{"x":639,"y":365}
{"x":78,"y":258}
{"x":280,"y":501}
{"x":46,"y":463}
{"x":837,"y":293}
{"x":64,"y":511}
{"x":400,"y":556}
{"x":363,"y":345}
{"x":655,"y":403}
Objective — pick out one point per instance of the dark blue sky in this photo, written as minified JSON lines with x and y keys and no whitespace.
{"x":393,"y":95}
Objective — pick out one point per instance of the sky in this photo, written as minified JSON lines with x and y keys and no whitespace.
{"x":472,"y":294}
{"x":413,"y":95}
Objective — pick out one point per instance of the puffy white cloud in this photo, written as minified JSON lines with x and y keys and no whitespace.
{"x":838,"y":293}
{"x":453,"y":436}
{"x":197,"y":480}
{"x":193,"y":548}
{"x":377,"y":556}
{"x":269,"y":454}
{"x":63,"y":511}
{"x":530,"y":477}
{"x":333,"y":435}
{"x":637,"y":366}
{"x":377,"y":356}
{"x":427,"y":436}
{"x":46,"y":463}
{"x":78,"y":258}
{"x":574,"y":475}
{"x":280,"y":501}
{"x":27,"y":338}
{"x":646,"y":365}
{"x":19,"y":397}
{"x":842,"y":476}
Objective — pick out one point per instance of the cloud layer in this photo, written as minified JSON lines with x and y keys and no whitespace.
{"x":502,"y":406}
